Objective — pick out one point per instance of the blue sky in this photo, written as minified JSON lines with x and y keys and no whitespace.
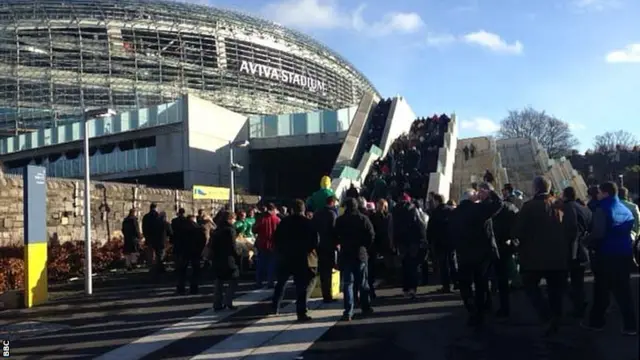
{"x":577,"y":59}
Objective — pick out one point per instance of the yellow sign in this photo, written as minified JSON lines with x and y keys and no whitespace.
{"x":210,"y":193}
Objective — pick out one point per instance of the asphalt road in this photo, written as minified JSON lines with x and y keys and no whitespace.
{"x":138,"y":316}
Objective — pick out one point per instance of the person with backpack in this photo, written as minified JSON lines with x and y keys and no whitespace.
{"x":544,"y":252}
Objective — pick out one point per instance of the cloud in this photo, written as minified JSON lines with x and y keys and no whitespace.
{"x":630,"y":54}
{"x":436,"y":40}
{"x":595,"y":5}
{"x":307,"y":14}
{"x":493,"y":42}
{"x":326,"y":14}
{"x":480,"y":125}
{"x":577,"y":126}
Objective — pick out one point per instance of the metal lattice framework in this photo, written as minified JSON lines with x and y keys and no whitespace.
{"x":60,"y":57}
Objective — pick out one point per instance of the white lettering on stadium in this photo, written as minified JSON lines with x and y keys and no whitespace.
{"x":282,"y":75}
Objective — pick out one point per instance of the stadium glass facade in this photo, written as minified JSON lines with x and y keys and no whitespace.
{"x":59,"y":58}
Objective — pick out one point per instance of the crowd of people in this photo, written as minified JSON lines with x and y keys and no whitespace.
{"x":487,"y":243}
{"x":410,"y":160}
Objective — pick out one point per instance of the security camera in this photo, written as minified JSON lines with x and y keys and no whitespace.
{"x":236,"y":167}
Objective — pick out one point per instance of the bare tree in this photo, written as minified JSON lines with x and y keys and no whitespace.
{"x":552,"y":133}
{"x":610,"y":141}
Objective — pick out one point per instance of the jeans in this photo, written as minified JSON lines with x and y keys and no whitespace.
{"x":221,"y":297}
{"x":556,"y":283}
{"x":612,"y":275}
{"x":354,"y":275}
{"x":266,"y":267}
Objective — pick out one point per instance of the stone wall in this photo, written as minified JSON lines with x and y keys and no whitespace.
{"x":110,"y":203}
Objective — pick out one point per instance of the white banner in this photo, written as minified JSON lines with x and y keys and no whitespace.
{"x":289,"y":77}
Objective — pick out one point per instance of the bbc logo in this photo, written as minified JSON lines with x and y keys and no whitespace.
{"x":6,"y":349}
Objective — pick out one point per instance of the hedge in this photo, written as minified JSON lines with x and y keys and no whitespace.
{"x":65,"y":261}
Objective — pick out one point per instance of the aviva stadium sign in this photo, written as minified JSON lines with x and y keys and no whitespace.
{"x":284,"y":76}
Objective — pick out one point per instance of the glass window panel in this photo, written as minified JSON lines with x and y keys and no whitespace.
{"x":270,"y":126}
{"x":329,"y":121}
{"x":121,"y":164}
{"x":255,"y":127}
{"x":48,"y":137}
{"x":125,"y":122}
{"x":151,"y":157}
{"x":299,"y":124}
{"x":284,"y":125}
{"x":77,"y":132}
{"x":313,"y":123}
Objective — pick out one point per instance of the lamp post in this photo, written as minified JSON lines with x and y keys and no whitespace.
{"x":621,"y":177}
{"x":88,"y":268}
{"x":233,"y":167}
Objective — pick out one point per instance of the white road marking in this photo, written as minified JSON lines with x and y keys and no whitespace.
{"x":183,"y":329}
{"x":276,"y":337}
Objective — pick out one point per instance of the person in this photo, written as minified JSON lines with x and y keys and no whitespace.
{"x":354,"y":233}
{"x":466,"y":150}
{"x":352,"y":192}
{"x":153,"y":229}
{"x":610,"y":238}
{"x":318,"y":199}
{"x":324,"y":221}
{"x":438,"y":236}
{"x":165,"y":236}
{"x":225,"y":262}
{"x":593,"y":193}
{"x":577,"y":222}
{"x":503,"y":229}
{"x":132,"y":236}
{"x":296,"y":243}
{"x":623,"y":194}
{"x":474,"y":242}
{"x":380,"y":219}
{"x":544,"y":252}
{"x":244,"y":225}
{"x":189,"y":253}
{"x":488,"y":177}
{"x":409,"y":236}
{"x":265,"y":228}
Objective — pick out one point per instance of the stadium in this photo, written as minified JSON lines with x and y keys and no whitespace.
{"x":185,"y":86}
{"x":59,"y":58}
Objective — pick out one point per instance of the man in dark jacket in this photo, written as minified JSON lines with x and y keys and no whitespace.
{"x":544,"y":251}
{"x":612,"y":243}
{"x":503,"y":229}
{"x":474,"y":242}
{"x":325,"y":222}
{"x":226,"y":262}
{"x":296,"y":243}
{"x":577,"y":222}
{"x":355,"y":234}
{"x":183,"y":240}
{"x":132,"y":236}
{"x":438,"y":236}
{"x":409,"y":235}
{"x":352,"y":192}
{"x":153,"y":229}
